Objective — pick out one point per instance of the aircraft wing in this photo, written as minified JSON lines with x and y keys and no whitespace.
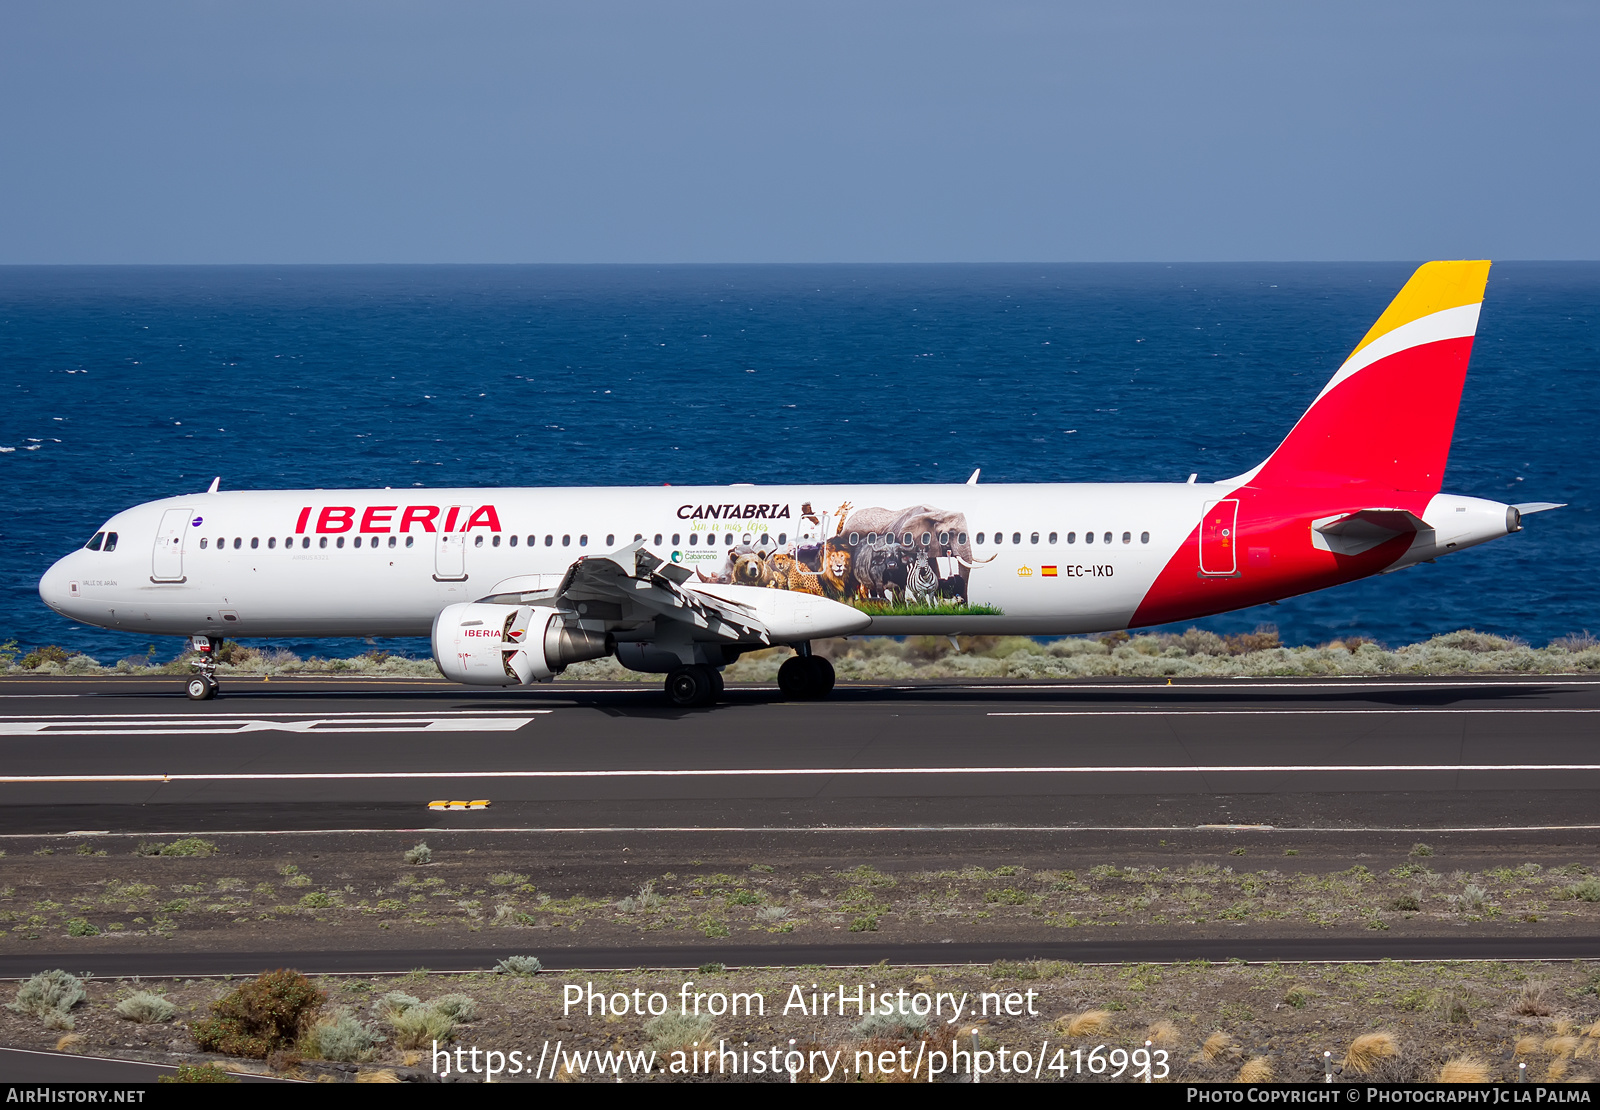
{"x":630,"y":586}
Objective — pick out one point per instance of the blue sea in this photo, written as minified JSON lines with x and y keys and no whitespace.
{"x":126,"y":384}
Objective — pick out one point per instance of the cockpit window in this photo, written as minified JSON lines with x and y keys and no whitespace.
{"x":94,"y":544}
{"x":111,"y":542}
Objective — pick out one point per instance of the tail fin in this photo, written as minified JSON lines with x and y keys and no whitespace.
{"x":1386,"y":418}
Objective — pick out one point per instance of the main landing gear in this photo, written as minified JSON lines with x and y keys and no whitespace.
{"x":694,"y":686}
{"x":806,"y":677}
{"x":203,"y":686}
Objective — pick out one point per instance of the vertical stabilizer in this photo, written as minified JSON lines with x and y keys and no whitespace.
{"x":1386,"y":418}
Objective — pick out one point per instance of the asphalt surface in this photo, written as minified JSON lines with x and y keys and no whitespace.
{"x":111,"y":754}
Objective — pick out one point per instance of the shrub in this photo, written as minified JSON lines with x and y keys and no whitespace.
{"x":50,"y":996}
{"x":1368,"y":1050}
{"x":50,"y":653}
{"x":145,"y":1008}
{"x":389,"y":1005}
{"x":519,"y":965}
{"x":261,"y":1016}
{"x":340,"y":1037}
{"x":457,"y":1007}
{"x":1534,"y":999}
{"x":1421,"y":850}
{"x":81,"y":927}
{"x":1298,"y":995}
{"x":673,"y":1031}
{"x":1586,"y":891}
{"x":419,"y":855}
{"x":1258,"y":1069}
{"x":190,"y":846}
{"x":1464,"y":1069}
{"x":1086,"y":1024}
{"x":420,"y":1026}
{"x":198,"y":1073}
{"x":1408,"y":903}
{"x":900,"y":1021}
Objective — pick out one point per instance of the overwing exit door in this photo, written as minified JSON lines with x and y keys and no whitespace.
{"x":166,"y":561}
{"x":1219,"y":549}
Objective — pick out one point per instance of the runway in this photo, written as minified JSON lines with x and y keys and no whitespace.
{"x":112,"y":754}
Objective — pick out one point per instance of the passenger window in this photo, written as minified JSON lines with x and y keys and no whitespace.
{"x":675,"y":539}
{"x":477,"y":540}
{"x":95,"y":541}
{"x":111,"y":542}
{"x":272,"y":542}
{"x":548,"y":540}
{"x":783,"y":537}
{"x":980,"y":537}
{"x":409,"y":539}
{"x":872,"y":539}
{"x":533,"y":541}
{"x":306,"y":542}
{"x":391,"y":541}
{"x":1108,"y":537}
{"x":1072,"y":537}
{"x":496,"y":541}
{"x":855,"y":538}
{"x":1127,"y":537}
{"x":658,"y":539}
{"x":238,"y":542}
{"x":944,"y":539}
{"x":512,"y":541}
{"x":1088,"y":537}
{"x":336,"y":543}
{"x":766,"y":540}
{"x":1016,"y":537}
{"x":611,"y":540}
{"x":1144,"y":537}
{"x":322,"y":541}
{"x":1052,"y":538}
{"x":961,"y":537}
{"x":927,"y":538}
{"x":255,"y":542}
{"x":694,"y":538}
{"x":1034,"y":538}
{"x":583,"y":541}
{"x":728,"y":539}
{"x":357,"y":541}
{"x":202,"y":543}
{"x":637,"y":537}
{"x":566,"y":541}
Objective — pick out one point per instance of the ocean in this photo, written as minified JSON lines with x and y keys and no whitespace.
{"x":124,"y":384}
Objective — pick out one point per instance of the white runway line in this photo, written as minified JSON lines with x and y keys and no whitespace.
{"x":327,"y":715}
{"x":202,"y":726}
{"x":815,"y":772}
{"x":1368,"y":712}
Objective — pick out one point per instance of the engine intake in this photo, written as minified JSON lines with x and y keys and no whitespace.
{"x":484,"y":644}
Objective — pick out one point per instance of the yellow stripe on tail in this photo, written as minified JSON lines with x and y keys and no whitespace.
{"x":1434,"y":287}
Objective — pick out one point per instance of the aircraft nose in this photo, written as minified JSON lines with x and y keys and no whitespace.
{"x":59,"y":588}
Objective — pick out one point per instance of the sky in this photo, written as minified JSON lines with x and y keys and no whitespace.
{"x":615,"y":131}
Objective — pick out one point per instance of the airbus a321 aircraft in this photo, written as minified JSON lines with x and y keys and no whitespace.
{"x":514,"y":585}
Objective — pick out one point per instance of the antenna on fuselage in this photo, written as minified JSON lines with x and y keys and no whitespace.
{"x":972,"y":481}
{"x":215,"y":482}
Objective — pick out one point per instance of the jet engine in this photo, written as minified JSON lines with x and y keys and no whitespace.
{"x":484,"y":644}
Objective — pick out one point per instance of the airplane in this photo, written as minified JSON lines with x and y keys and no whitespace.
{"x":515,"y":585}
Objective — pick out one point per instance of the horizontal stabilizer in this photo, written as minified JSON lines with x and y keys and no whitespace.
{"x":1353,"y":533}
{"x":1538,"y":507}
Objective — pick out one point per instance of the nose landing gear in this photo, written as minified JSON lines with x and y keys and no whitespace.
{"x":203,"y":686}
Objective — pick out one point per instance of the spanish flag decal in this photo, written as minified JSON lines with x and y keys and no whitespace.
{"x":1048,"y":572}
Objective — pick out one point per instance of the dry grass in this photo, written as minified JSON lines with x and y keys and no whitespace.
{"x":1162,"y":1034}
{"x":1534,"y":999}
{"x":1218,"y":1046}
{"x":1464,"y":1069}
{"x":1566,"y":1027}
{"x":377,"y":1075}
{"x":72,"y":1042}
{"x":1087,"y":1024}
{"x":1258,"y":1069}
{"x":1561,"y":1046}
{"x":1370,"y":1049}
{"x":1557,"y":1070}
{"x":1528,"y":1045}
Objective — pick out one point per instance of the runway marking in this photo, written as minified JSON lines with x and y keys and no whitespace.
{"x":1271,"y":684}
{"x":788,"y":772}
{"x":325,"y":715}
{"x":1397,"y":710}
{"x":212,"y":727}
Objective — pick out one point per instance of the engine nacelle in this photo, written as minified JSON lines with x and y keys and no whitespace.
{"x":483,"y":644}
